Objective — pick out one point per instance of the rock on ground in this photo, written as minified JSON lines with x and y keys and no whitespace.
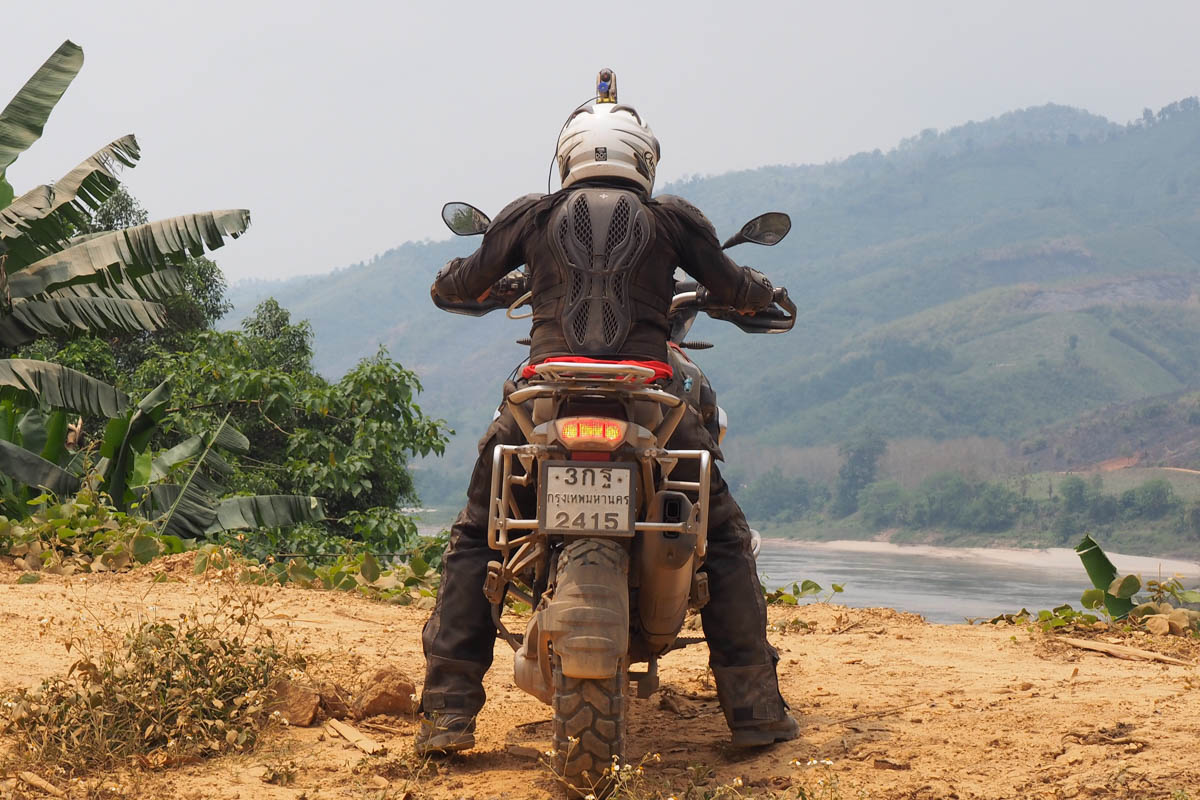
{"x":388,"y":691}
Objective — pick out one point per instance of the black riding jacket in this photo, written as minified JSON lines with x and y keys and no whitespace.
{"x":601,"y":258}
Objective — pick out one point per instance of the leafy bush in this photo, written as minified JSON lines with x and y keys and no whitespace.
{"x":163,"y":693}
{"x":1153,"y":498}
{"x":82,"y":534}
{"x":346,"y":442}
{"x":861,"y":453}
{"x":941,"y":499}
{"x":774,"y":495}
{"x":1073,"y":491}
{"x":883,"y":504}
{"x":993,"y":508}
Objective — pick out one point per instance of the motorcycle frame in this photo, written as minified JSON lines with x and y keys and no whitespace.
{"x":520,"y":540}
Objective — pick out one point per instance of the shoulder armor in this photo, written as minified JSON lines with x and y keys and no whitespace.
{"x":687,"y":210}
{"x":516,"y":207}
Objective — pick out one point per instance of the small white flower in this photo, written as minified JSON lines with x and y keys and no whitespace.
{"x":737,"y":782}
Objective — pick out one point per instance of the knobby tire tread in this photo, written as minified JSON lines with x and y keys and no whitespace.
{"x":590,"y":711}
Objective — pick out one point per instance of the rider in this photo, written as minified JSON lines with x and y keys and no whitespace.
{"x":601,"y":256}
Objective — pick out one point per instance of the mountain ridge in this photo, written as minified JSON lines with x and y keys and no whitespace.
{"x":910,"y":269}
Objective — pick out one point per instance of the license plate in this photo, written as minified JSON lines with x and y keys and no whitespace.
{"x":593,"y":498}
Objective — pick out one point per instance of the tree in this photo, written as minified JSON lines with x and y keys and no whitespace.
{"x":346,"y":442}
{"x":861,"y":453}
{"x":883,"y":504}
{"x":114,"y":355}
{"x":1074,"y":492}
{"x":774,"y":495}
{"x":58,"y":278}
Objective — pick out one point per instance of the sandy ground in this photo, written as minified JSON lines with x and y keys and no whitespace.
{"x":902,"y":708}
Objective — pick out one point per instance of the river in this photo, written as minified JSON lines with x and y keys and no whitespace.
{"x":946,"y":584}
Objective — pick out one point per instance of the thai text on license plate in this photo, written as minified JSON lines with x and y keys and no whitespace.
{"x":587,"y":499}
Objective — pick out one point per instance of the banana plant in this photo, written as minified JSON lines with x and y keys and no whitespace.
{"x":37,"y":401}
{"x":191,"y":508}
{"x":57,"y":280}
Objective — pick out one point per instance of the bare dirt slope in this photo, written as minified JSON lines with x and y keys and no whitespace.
{"x":902,"y":708}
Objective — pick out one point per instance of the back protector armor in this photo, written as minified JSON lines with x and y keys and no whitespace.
{"x":599,"y":237}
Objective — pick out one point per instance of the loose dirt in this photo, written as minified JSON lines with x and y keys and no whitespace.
{"x":902,"y":708}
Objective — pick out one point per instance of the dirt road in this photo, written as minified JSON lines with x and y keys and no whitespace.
{"x":901,"y":708}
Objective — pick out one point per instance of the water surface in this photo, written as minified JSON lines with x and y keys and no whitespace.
{"x":945,"y":584}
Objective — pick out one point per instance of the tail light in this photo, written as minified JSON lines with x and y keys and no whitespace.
{"x":591,"y":433}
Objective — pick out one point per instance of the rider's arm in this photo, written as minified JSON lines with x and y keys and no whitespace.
{"x":502,"y":249}
{"x":700,"y":255}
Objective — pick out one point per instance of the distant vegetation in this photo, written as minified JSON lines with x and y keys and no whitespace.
{"x":1132,"y":510}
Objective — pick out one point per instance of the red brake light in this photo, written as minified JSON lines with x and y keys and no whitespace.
{"x":591,"y":431}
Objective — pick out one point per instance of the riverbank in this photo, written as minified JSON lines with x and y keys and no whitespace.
{"x":1043,"y":557}
{"x":1158,"y":538}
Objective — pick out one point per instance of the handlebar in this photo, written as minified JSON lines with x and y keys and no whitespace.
{"x":779,"y":318}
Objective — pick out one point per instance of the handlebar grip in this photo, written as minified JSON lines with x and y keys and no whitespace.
{"x":785,"y":302}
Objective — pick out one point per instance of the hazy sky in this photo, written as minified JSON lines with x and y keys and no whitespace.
{"x":345,"y":125}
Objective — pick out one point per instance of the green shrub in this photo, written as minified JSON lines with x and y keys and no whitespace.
{"x":1073,"y":491}
{"x":994,"y":508}
{"x":883,"y":504}
{"x":1154,"y":498}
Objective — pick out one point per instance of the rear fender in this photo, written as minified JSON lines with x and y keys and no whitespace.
{"x":587,"y":619}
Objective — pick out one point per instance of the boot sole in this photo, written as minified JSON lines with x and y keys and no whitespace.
{"x":751,"y":738}
{"x":444,"y":745}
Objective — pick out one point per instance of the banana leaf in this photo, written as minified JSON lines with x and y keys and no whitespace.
{"x":33,"y":430}
{"x":134,"y":435}
{"x":127,"y":254}
{"x":66,"y":315}
{"x":188,"y":449}
{"x":1102,"y":572}
{"x":55,"y":448}
{"x":41,"y":221}
{"x":183,"y":511}
{"x":265,"y":511}
{"x":40,"y":383}
{"x":160,"y":285}
{"x":185,"y":451}
{"x":33,"y":470}
{"x":22,"y":120}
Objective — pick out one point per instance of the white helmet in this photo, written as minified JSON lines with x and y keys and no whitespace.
{"x":607,"y":140}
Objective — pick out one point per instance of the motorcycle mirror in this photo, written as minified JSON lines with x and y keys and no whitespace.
{"x":465,"y":219}
{"x":766,"y":229}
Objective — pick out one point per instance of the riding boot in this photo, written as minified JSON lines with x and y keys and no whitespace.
{"x":735,"y":621}
{"x":459,"y":637}
{"x":448,"y":717}
{"x":754,"y":710}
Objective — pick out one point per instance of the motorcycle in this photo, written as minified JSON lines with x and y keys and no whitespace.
{"x":598,"y":529}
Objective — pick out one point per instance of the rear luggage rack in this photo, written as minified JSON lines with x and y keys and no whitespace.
{"x":591,"y":372}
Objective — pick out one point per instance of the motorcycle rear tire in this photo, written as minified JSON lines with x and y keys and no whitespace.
{"x":589,"y":731}
{"x":589,"y":713}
